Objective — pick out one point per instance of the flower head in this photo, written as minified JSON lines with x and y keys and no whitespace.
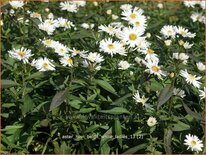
{"x":193,"y":143}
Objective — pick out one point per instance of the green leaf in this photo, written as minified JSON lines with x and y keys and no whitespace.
{"x":135,"y":149}
{"x":8,"y":83}
{"x":168,"y":140}
{"x":86,"y":110}
{"x":116,"y":110}
{"x":121,"y":99}
{"x":118,"y":131}
{"x":37,"y":75}
{"x":29,"y":140}
{"x":75,"y":104}
{"x":104,"y":147}
{"x":92,"y":128}
{"x":194,"y":114}
{"x":165,"y":95}
{"x":105,"y":85}
{"x":28,"y":104}
{"x":58,"y":99}
{"x":64,"y":148}
{"x":180,"y":126}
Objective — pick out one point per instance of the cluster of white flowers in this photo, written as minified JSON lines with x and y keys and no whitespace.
{"x":72,"y":6}
{"x":16,"y":4}
{"x":50,"y":24}
{"x":196,"y":16}
{"x":181,"y":56}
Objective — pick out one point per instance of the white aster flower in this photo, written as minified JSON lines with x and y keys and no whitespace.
{"x":16,"y":4}
{"x":190,"y":3}
{"x":66,"y":24}
{"x":191,"y":79}
{"x":49,"y":26}
{"x":110,"y":29}
{"x":193,"y":143}
{"x":75,"y":52}
{"x":202,"y":93}
{"x":21,"y":54}
{"x":151,"y":121}
{"x":198,"y":17}
{"x":112,"y":47}
{"x":69,"y":6}
{"x":66,"y":61}
{"x":94,"y":57}
{"x":36,"y":15}
{"x":154,"y":68}
{"x":43,"y":64}
{"x":168,"y":31}
{"x":179,"y":92}
{"x":126,"y":7}
{"x":200,"y":66}
{"x":186,"y":45}
{"x":184,"y":32}
{"x":131,"y":15}
{"x":132,"y":36}
{"x":139,"y":99}
{"x":150,"y":55}
{"x":61,"y":49}
{"x":79,"y":3}
{"x":123,"y":65}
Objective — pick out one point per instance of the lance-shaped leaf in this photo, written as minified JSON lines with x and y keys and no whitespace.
{"x":192,"y":113}
{"x":105,"y":85}
{"x":8,"y":83}
{"x":165,"y":95}
{"x":118,"y":131}
{"x":135,"y":149}
{"x":116,"y":111}
{"x":58,"y":99}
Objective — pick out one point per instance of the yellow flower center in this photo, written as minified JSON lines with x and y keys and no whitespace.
{"x":76,"y":51}
{"x":48,"y":42}
{"x":182,"y":33}
{"x":45,"y":65}
{"x":22,"y":54}
{"x":150,"y":51}
{"x":110,"y":46}
{"x":110,"y":29}
{"x":69,"y":61}
{"x":181,"y":42}
{"x":132,"y":36}
{"x":137,"y":23}
{"x":36,"y":14}
{"x":191,"y":77}
{"x":193,"y":142}
{"x":133,"y":16}
{"x":62,"y":50}
{"x":155,"y":69}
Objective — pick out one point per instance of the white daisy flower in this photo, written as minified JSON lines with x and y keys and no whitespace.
{"x":180,"y":56}
{"x":168,"y":31}
{"x":110,"y":29}
{"x":190,"y":3}
{"x":43,"y":64}
{"x":69,"y":6}
{"x":36,"y":15}
{"x":79,"y":3}
{"x":126,"y":7}
{"x":66,"y":61}
{"x":153,"y":68}
{"x":75,"y":52}
{"x":150,"y":55}
{"x":193,"y":143}
{"x":187,"y":45}
{"x":179,"y":92}
{"x":202,"y":93}
{"x":65,"y":23}
{"x":49,"y":26}
{"x":85,"y":25}
{"x":151,"y":121}
{"x":61,"y":49}
{"x":16,"y":4}
{"x":184,"y":32}
{"x":131,"y":15}
{"x":132,"y":36}
{"x":191,"y":79}
{"x":110,"y":47}
{"x":198,"y":17}
{"x":139,"y":99}
{"x":123,"y":65}
{"x":200,"y":66}
{"x":21,"y":54}
{"x":49,"y":43}
{"x":94,"y":57}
